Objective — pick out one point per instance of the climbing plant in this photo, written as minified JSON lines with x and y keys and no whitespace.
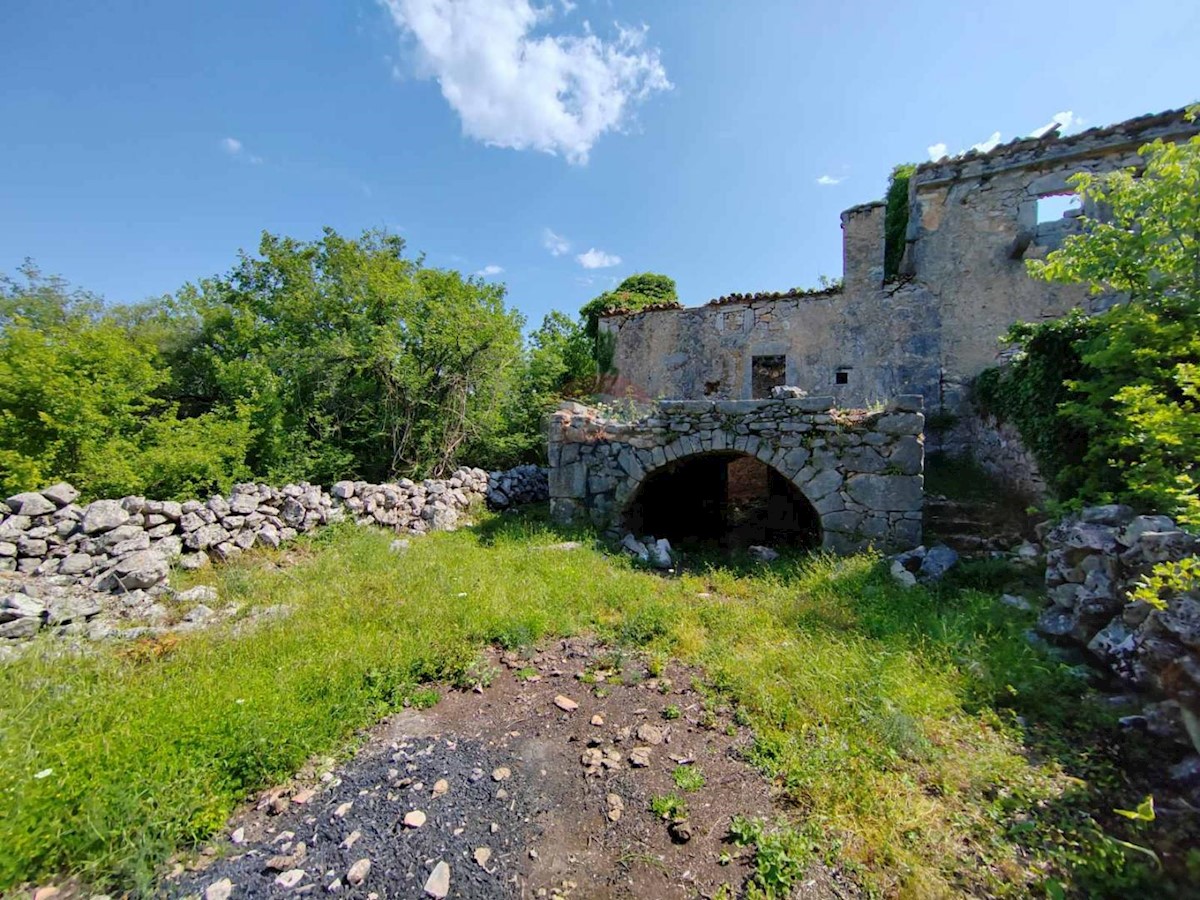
{"x":895,"y":219}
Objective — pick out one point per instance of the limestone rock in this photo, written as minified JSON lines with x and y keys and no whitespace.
{"x":438,"y":883}
{"x":103,"y":515}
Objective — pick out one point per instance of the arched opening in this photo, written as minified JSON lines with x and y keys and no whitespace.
{"x":727,"y":500}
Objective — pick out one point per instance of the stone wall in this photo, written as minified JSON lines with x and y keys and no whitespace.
{"x":57,"y":557}
{"x":972,"y":225}
{"x":996,"y":447}
{"x":861,"y":471}
{"x":1093,"y":561}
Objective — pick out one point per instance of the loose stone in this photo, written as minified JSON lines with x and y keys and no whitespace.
{"x":414,"y":819}
{"x":438,"y":884}
{"x":219,"y":890}
{"x":357,"y":873}
{"x":566,"y":704}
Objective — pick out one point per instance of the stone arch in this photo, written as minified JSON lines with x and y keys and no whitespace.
{"x":728,"y":496}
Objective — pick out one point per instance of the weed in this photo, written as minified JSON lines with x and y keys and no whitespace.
{"x":669,"y":806}
{"x":671,"y":711}
{"x":688,"y":778}
{"x":781,"y":854}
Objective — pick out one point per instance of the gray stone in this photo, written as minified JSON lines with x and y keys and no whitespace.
{"x":1112,"y":514}
{"x":143,"y":569}
{"x":822,"y":484}
{"x":61,"y":494}
{"x":103,"y":515}
{"x":75,"y":564}
{"x":13,"y":527}
{"x":20,"y":606}
{"x":17,"y":629}
{"x":192,"y":561}
{"x":30,"y":503}
{"x":886,"y":492}
{"x":205,"y":536}
{"x":938,"y":560}
{"x":901,"y":423}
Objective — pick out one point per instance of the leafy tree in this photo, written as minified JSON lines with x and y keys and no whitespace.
{"x":1111,"y":405}
{"x":354,"y":360}
{"x":82,"y":399}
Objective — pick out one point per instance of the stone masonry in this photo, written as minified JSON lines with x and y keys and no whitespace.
{"x":861,"y":471}
{"x":973,"y":222}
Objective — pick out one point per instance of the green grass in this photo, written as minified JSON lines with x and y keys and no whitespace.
{"x":669,"y":806}
{"x":887,"y":718}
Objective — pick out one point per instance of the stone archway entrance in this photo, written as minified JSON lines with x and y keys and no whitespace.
{"x":726,"y":499}
{"x":859,"y":471}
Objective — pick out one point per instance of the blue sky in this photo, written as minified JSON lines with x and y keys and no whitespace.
{"x":567,"y":144}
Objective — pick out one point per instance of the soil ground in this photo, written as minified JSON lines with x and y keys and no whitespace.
{"x":546,"y":825}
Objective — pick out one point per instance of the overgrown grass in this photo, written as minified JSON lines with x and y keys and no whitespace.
{"x":886,"y":717}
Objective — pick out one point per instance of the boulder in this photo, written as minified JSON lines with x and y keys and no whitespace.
{"x":103,"y":515}
{"x":143,"y":569}
{"x":30,"y":503}
{"x":61,"y":494}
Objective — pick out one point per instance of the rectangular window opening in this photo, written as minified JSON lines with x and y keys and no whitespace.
{"x":1055,"y":207}
{"x":766,"y":372}
{"x":842,"y":377}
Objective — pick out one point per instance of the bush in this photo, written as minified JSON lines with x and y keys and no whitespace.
{"x":895,"y":219}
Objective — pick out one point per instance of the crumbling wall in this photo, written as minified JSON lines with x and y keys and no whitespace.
{"x":861,"y":472}
{"x":972,"y":226}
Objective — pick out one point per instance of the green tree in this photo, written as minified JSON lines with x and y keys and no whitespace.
{"x":82,"y":398}
{"x":354,"y":360}
{"x":1111,"y":404}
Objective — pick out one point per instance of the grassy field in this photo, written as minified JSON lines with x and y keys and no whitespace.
{"x":915,"y":736}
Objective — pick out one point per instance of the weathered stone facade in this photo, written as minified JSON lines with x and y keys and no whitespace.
{"x":861,"y":472}
{"x":973,"y":221}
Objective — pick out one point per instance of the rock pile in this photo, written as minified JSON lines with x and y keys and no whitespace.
{"x":656,"y":553}
{"x":1092,"y":563}
{"x":524,"y":484}
{"x":920,"y":564}
{"x":68,"y":560}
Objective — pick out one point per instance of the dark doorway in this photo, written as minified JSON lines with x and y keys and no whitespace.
{"x":727,"y":500}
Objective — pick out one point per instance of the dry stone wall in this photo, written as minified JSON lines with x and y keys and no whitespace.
{"x":60,"y":562}
{"x":862,"y":472}
{"x":1093,"y":562}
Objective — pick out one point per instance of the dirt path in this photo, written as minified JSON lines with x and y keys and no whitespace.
{"x":521,"y":797}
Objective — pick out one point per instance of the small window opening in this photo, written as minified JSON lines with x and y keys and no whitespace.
{"x":842,"y":377}
{"x":1058,"y":206}
{"x":766,"y":372}
{"x":711,"y":387}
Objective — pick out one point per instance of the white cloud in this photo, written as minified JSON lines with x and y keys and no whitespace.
{"x":936,"y":151}
{"x":990,"y":144}
{"x":1066,"y":121}
{"x":555,"y":243}
{"x":490,"y":271}
{"x":598,"y":259}
{"x":829,"y":180}
{"x":236,"y":148}
{"x":512,"y":88}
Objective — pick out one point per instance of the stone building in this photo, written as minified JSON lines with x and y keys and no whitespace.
{"x":973,"y":221}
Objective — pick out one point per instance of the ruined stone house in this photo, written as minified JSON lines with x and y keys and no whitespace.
{"x":973,"y":221}
{"x":717,"y":459}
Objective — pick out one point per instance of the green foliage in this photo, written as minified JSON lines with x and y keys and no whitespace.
{"x":1146,"y":242}
{"x":84,"y":396}
{"x":1110,"y":405}
{"x":354,"y":361}
{"x":895,"y":219}
{"x":634,"y":293}
{"x":669,"y":806}
{"x":782,"y":855}
{"x":834,"y":668}
{"x":688,"y":778}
